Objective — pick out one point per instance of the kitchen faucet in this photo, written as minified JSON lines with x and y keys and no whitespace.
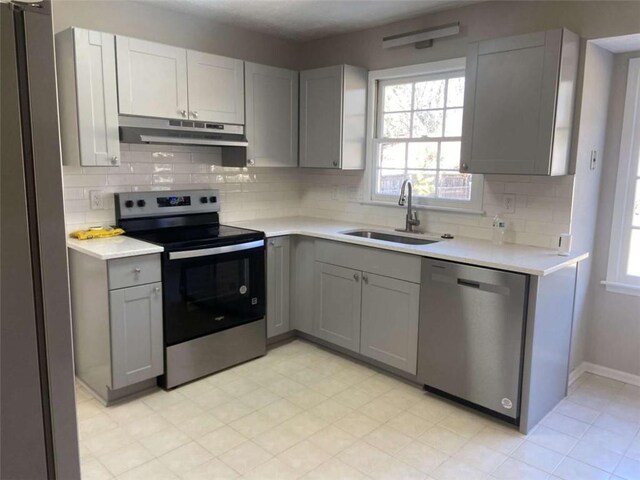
{"x":412,"y":217}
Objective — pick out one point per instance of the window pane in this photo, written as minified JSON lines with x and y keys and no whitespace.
{"x":424,"y":183}
{"x":423,"y":155}
{"x":396,"y":125}
{"x":397,"y":97}
{"x":453,"y":123}
{"x":454,"y":186}
{"x":636,"y":206}
{"x":390,"y":181}
{"x":450,"y":155}
{"x":429,"y":95}
{"x":427,"y":124}
{"x":392,"y":155}
{"x":633,"y":267}
{"x":455,"y":92}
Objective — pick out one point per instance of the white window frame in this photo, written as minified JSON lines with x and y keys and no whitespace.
{"x":474,"y":205}
{"x":618,"y":280}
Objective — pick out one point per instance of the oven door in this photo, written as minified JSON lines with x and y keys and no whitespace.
{"x":208,"y":290}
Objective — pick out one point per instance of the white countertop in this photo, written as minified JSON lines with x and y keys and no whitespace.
{"x":515,"y":258}
{"x":511,"y":257}
{"x":113,"y":247}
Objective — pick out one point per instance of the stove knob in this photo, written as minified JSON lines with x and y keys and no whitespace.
{"x":203,"y":200}
{"x":141,"y":203}
{"x":128,"y":203}
{"x":213,"y":199}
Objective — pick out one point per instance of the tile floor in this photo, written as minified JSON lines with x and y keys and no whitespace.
{"x":302,"y":412}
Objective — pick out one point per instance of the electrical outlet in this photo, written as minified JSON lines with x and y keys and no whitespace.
{"x":593,"y":160}
{"x":509,"y":203}
{"x":96,"y":200}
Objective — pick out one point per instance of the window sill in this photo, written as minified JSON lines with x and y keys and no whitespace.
{"x":436,"y":208}
{"x":623,"y":288}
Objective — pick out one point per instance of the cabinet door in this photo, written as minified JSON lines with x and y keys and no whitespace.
{"x":337,"y":311}
{"x":510,"y":101}
{"x":152,"y":79}
{"x":321,"y":117}
{"x":389,"y":331}
{"x":277,"y":286}
{"x":216,"y":88}
{"x":136,"y":334}
{"x":272,"y":116}
{"x":97,"y":98}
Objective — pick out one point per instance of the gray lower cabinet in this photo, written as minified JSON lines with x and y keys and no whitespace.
{"x":278,"y":261}
{"x":337,"y":312}
{"x":117,"y":323}
{"x":374,"y":315}
{"x":136,"y":334}
{"x":389,"y":325}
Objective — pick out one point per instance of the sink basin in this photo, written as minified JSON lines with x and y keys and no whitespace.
{"x":390,"y":237}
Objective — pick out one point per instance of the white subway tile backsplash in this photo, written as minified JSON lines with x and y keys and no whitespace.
{"x":542,"y":209}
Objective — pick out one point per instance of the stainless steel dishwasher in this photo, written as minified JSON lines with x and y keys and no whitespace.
{"x":472,"y":323}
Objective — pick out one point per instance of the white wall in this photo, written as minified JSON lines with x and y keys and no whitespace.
{"x":591,"y":118}
{"x":614,"y":331}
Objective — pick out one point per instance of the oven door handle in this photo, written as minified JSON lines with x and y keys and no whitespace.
{"x":205,"y":252}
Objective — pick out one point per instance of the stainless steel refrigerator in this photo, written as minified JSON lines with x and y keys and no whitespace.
{"x":38,"y":429}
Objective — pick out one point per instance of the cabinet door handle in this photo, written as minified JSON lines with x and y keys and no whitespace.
{"x":272,"y":242}
{"x":183,"y":113}
{"x":114,"y":160}
{"x":335,"y":163}
{"x":251,"y":162}
{"x":157,"y":289}
{"x":464,"y":167}
{"x":365,"y":278}
{"x":194,"y":114}
{"x":356,"y":277}
{"x":137,"y":270}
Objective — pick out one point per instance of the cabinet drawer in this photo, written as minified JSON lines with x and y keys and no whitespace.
{"x":132,"y":271}
{"x":367,"y":259}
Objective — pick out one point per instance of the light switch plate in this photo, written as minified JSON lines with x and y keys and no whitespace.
{"x":593,"y":160}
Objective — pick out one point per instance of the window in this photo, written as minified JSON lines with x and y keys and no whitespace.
{"x":417,"y":135}
{"x":623,"y":273}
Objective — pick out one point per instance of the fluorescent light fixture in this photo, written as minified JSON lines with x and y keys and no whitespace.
{"x":421,"y":38}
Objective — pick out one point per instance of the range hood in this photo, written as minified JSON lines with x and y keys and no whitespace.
{"x":231,"y":138}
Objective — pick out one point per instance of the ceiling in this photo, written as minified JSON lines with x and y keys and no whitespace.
{"x":303,"y":20}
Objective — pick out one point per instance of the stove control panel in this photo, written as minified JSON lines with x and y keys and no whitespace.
{"x":167,"y":202}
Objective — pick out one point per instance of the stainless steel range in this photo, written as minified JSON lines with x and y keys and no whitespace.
{"x":213,"y":280}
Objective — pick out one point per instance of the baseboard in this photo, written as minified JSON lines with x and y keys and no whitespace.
{"x":604,"y":372}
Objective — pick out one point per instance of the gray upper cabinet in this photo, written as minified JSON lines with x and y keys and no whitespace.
{"x":216,"y":88}
{"x":152,"y":79}
{"x":271,"y":96}
{"x":136,"y":334}
{"x":86,"y":65}
{"x":338,"y":297}
{"x":278,"y":254}
{"x":390,"y":315}
{"x":518,"y":107}
{"x":157,"y":80}
{"x":333,"y":103}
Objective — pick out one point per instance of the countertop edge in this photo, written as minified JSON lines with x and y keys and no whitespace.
{"x":144,"y":249}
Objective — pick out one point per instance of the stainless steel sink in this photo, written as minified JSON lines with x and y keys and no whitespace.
{"x":390,"y":237}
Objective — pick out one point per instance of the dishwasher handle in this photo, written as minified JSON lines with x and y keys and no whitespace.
{"x":466,"y":283}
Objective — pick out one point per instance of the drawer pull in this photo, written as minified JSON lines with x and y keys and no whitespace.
{"x":137,"y":270}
